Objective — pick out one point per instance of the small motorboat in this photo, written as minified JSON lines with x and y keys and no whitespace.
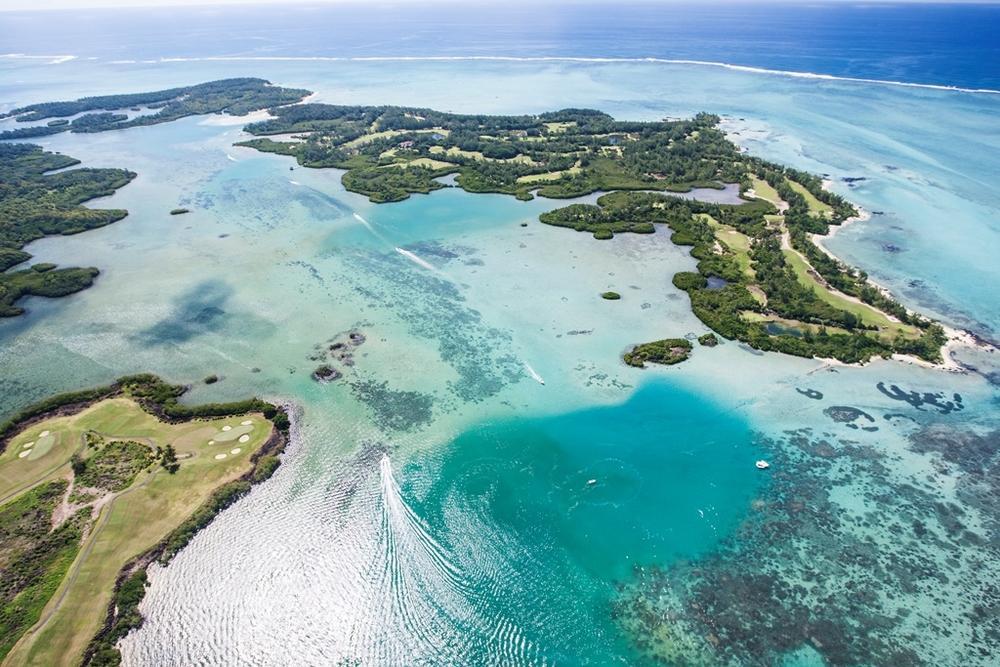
{"x":763,"y":465}
{"x":591,"y":482}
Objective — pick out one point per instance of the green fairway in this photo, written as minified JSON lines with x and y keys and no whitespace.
{"x":126,"y":522}
{"x":865,"y":313}
{"x":816,"y":207}
{"x":734,"y":241}
{"x":764,"y":191}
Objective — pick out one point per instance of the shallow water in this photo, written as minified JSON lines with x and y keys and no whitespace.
{"x":437,"y":506}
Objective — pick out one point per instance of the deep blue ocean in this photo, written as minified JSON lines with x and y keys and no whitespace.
{"x":944,"y":44}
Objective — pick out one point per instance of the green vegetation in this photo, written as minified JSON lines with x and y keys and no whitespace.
{"x":611,"y":296}
{"x":559,"y":154}
{"x":115,"y":465}
{"x":233,"y":96}
{"x":740,"y":250}
{"x":124,"y":511}
{"x":708,"y":340}
{"x":34,"y":558}
{"x":35,"y":204}
{"x":129,"y":593}
{"x":761,"y":279}
{"x":179,"y":211}
{"x":668,"y":351}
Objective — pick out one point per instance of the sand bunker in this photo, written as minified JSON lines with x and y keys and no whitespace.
{"x":24,"y":453}
{"x":227,"y":427}
{"x":235,"y":451}
{"x":27,"y":445}
{"x":211,"y":442}
{"x":219,"y":457}
{"x":43,"y":434}
{"x":232,"y":433}
{"x":248,"y":422}
{"x":244,"y":438}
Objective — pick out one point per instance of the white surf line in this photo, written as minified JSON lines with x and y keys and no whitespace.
{"x":53,"y":60}
{"x":294,"y":182}
{"x":231,"y":158}
{"x":417,"y":260}
{"x":534,"y":374}
{"x":581,"y":59}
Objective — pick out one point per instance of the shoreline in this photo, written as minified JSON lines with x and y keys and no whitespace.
{"x":147,"y":392}
{"x":955,"y":338}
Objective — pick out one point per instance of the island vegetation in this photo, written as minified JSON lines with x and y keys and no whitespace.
{"x":761,"y":278}
{"x":98,"y":114}
{"x":96,"y":485}
{"x":35,"y":203}
{"x":392,"y":152}
{"x":611,"y":296}
{"x":667,"y":352}
{"x":179,"y":211}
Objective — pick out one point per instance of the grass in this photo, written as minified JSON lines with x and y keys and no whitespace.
{"x":477,"y":155}
{"x":735,"y":241}
{"x":133,"y":521}
{"x":816,"y":207}
{"x":386,"y":134}
{"x":866,"y":314}
{"x":764,"y":191}
{"x":425,"y":162}
{"x":550,"y":175}
{"x":559,"y":127}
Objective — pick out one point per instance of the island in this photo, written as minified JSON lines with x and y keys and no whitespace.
{"x":35,"y":203}
{"x":761,"y":277}
{"x":94,"y":487}
{"x":237,"y":97}
{"x":667,"y":352}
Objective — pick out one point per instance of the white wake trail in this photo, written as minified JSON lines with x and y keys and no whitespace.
{"x":417,"y":260}
{"x":534,"y":374}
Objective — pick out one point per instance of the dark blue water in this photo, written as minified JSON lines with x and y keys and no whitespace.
{"x":944,"y":44}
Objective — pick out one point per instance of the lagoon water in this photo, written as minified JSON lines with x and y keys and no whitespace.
{"x":490,"y":484}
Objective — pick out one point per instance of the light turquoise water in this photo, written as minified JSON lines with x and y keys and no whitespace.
{"x":436,"y":507}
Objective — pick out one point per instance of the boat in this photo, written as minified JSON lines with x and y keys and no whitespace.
{"x":763,"y":465}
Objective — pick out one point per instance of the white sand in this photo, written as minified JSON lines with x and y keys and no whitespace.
{"x":43,"y":434}
{"x":246,"y":422}
{"x":244,"y":438}
{"x":219,"y":457}
{"x":235,"y":451}
{"x":28,"y":445}
{"x":211,"y":442}
{"x":227,"y":428}
{"x":24,"y":453}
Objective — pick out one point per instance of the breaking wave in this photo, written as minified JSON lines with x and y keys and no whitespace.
{"x":581,"y":59}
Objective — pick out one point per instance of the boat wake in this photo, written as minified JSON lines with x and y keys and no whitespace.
{"x":535,"y":376}
{"x":429,"y":598}
{"x":417,"y":260}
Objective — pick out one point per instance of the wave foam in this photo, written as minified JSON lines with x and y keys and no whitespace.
{"x":582,"y":59}
{"x":53,"y":60}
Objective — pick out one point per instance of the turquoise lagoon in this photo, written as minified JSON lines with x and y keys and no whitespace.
{"x":437,"y":505}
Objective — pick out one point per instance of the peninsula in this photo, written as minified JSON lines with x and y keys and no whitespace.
{"x":761,"y":277}
{"x":96,"y":485}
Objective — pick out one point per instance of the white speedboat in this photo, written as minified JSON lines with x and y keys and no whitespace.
{"x":763,"y":465}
